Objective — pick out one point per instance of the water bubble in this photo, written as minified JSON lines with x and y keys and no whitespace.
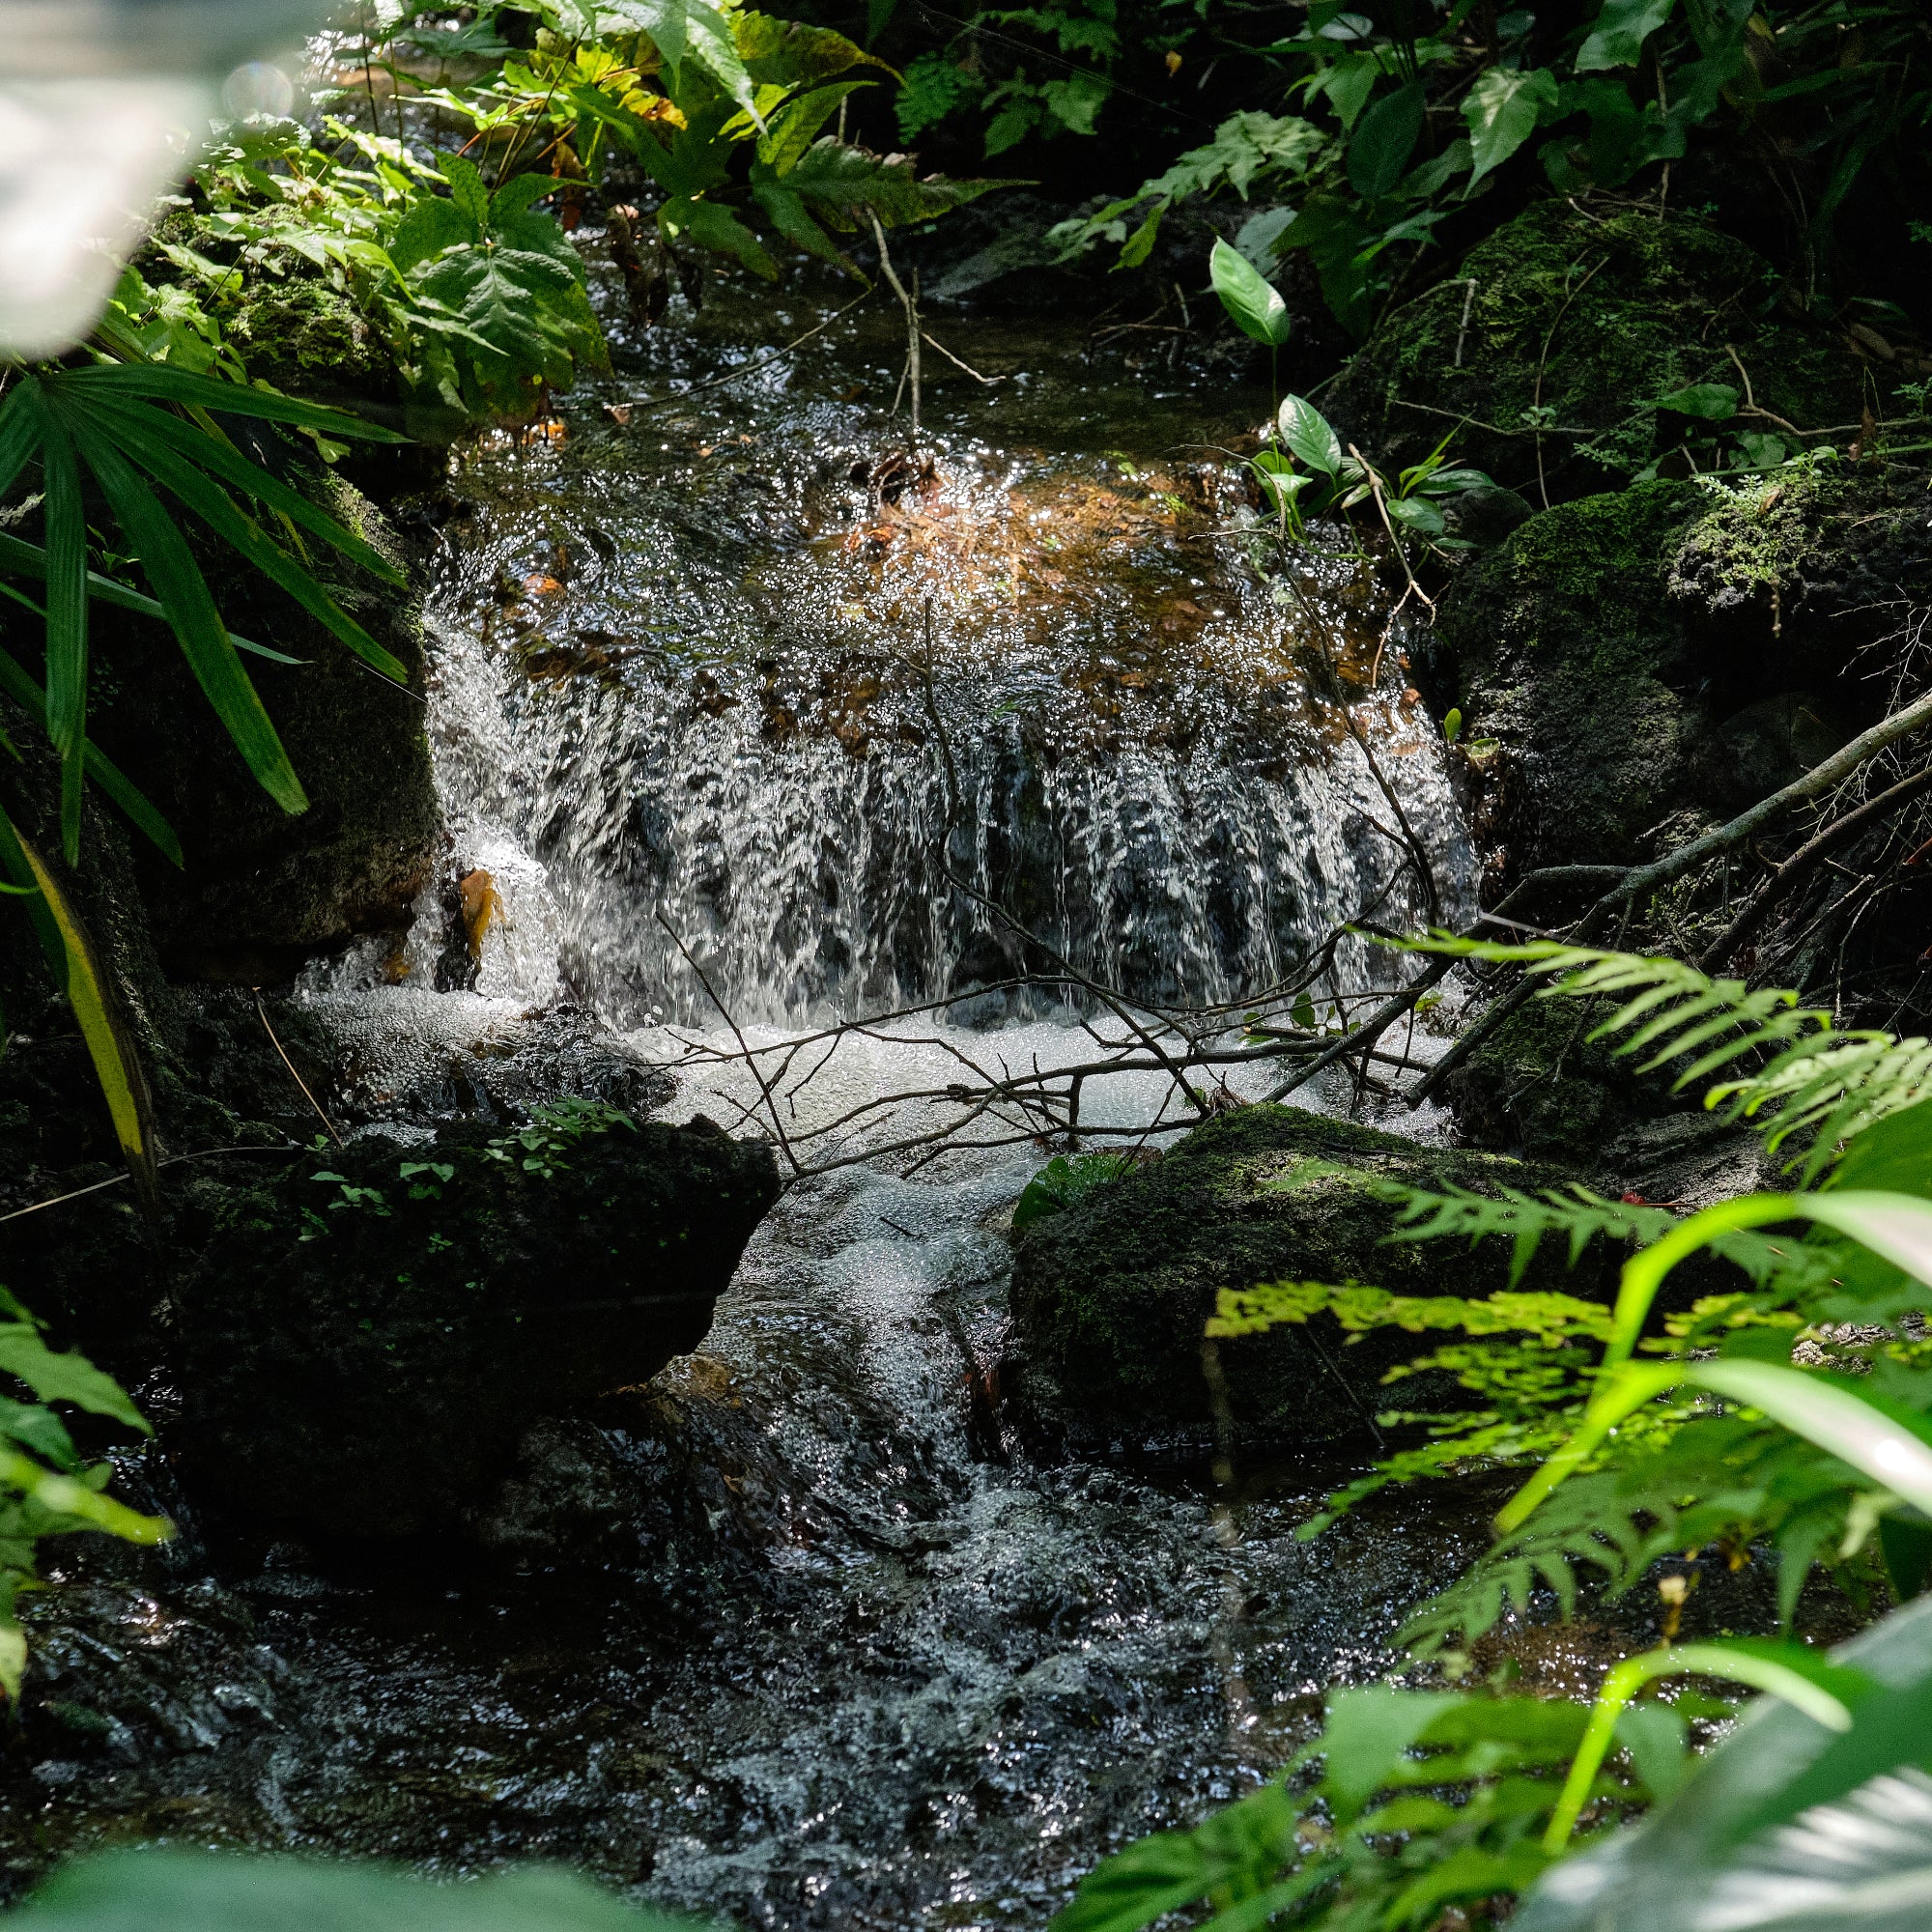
{"x":258,"y":87}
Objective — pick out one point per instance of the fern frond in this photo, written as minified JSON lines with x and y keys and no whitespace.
{"x":1526,"y":1219}
{"x":1814,"y":1079}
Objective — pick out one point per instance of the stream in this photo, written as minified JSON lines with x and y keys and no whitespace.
{"x":746,"y":715}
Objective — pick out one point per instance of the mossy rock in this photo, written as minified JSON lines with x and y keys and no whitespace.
{"x":1637,"y":665}
{"x":1110,"y":1296}
{"x":1541,"y":1087}
{"x":361,"y":1347}
{"x":1587,"y":319}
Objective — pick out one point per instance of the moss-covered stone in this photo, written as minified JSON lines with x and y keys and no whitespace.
{"x":1110,"y":1296}
{"x":1586,"y":319}
{"x":1636,"y":664}
{"x":365,"y":1334}
{"x":1539,"y":1086}
{"x":306,"y":337}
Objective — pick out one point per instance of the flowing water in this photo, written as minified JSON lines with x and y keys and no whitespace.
{"x":752,"y":721}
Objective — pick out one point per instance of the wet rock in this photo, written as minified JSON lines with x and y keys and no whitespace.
{"x":1585,"y":320}
{"x":366,"y":1334}
{"x":1540,"y":1087}
{"x":1109,"y":1297}
{"x":1634,"y":667}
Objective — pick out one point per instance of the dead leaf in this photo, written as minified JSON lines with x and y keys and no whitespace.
{"x":482,"y":905}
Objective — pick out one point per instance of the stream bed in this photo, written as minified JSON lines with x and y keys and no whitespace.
{"x":744,"y":715}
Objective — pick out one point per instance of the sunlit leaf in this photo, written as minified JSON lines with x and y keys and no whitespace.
{"x":1255,"y":305}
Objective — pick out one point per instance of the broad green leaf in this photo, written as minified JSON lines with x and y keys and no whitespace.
{"x":841,"y":180}
{"x":789,"y":215}
{"x":1622,"y":27}
{"x":116,"y":1065}
{"x":794,"y":128}
{"x":1712,"y":402}
{"x":1306,"y":432}
{"x":429,"y":225}
{"x":1417,"y":513}
{"x":41,"y":1430}
{"x":176,"y":580}
{"x":466,"y":189}
{"x":1502,"y":108}
{"x":1255,"y":305}
{"x":1896,"y":1226}
{"x":165,"y":1889}
{"x":1659,"y":1743}
{"x":64,"y":1377}
{"x":789,"y":53}
{"x":690,"y":27}
{"x":713,"y":226}
{"x":1368,"y":1733}
{"x":13,"y":1654}
{"x":1384,"y":138}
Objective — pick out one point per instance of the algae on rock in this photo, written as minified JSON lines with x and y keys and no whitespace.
{"x":1560,"y":332}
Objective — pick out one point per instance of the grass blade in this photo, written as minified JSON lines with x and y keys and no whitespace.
{"x":17,"y":685}
{"x":108,"y":1045}
{"x":234,"y":468}
{"x":20,"y":418}
{"x":158,"y":380}
{"x":216,"y":508}
{"x":30,"y":561}
{"x":66,"y":519}
{"x":178,"y":581}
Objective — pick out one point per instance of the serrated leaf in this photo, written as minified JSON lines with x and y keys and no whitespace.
{"x":837,"y":179}
{"x":1712,"y":402}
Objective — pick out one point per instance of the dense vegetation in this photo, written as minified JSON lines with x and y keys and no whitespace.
{"x":1657,"y":271}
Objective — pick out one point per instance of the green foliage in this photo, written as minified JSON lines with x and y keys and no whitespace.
{"x":1801,"y":1074}
{"x":47,"y":1487}
{"x":555,"y":1130}
{"x":1064,"y":1181}
{"x":1722,"y":1438}
{"x":117,"y":422}
{"x":175,"y":1891}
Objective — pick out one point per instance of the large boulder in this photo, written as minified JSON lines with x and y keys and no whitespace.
{"x":1558,"y":332}
{"x":368,"y":1330}
{"x":1634,"y":667}
{"x":1110,"y":1296}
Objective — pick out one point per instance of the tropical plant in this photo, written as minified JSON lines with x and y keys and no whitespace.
{"x":1421,"y":105}
{"x":1303,"y":472}
{"x":47,"y":1487}
{"x":1719,"y":1437}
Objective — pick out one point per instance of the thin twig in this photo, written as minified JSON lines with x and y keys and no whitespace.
{"x":291,"y":1065}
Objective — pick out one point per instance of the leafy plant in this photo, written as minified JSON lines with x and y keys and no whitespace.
{"x":1721,"y":1437}
{"x":47,"y":1487}
{"x":175,"y":1891}
{"x":1065,"y":1182}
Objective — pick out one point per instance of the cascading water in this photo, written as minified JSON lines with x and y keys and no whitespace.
{"x":736,"y":674}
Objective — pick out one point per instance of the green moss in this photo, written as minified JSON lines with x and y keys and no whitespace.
{"x":1540,"y":1084}
{"x":306,"y":337}
{"x":1755,"y":537}
{"x":1584,"y":319}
